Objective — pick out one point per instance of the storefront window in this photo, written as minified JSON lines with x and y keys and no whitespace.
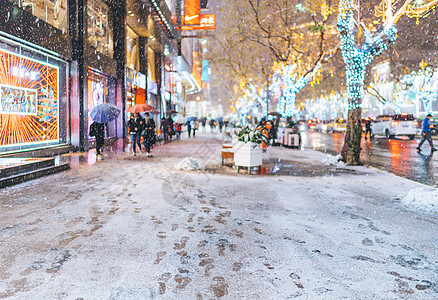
{"x":53,"y":12}
{"x":31,"y":86}
{"x":97,"y":91}
{"x":132,"y":54}
{"x":100,"y":35}
{"x":130,"y":89}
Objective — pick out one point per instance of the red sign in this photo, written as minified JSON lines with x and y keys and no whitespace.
{"x":192,"y":12}
{"x":206,"y":22}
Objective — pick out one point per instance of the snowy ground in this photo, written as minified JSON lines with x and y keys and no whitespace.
{"x":136,"y":228}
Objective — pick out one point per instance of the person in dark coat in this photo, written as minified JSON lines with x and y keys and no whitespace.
{"x":135,"y":125}
{"x":149,"y":132}
{"x":98,"y":130}
{"x":426,"y":134}
{"x":212,"y":124}
{"x":221,"y":125}
{"x":189,"y":126}
{"x":170,"y":124}
{"x":368,"y":127}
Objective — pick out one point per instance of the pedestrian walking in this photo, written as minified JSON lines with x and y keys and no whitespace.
{"x":178,"y":129}
{"x":203,"y":123}
{"x":368,"y":127}
{"x":272,"y":132}
{"x":426,"y":134}
{"x":148,"y":133}
{"x":195,"y":126}
{"x":135,"y":125}
{"x":169,"y":124}
{"x":212,"y":124}
{"x":98,"y":130}
{"x":221,"y":125}
{"x":189,"y":127}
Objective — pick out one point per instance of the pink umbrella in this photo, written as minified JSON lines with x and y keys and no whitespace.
{"x":138,"y":108}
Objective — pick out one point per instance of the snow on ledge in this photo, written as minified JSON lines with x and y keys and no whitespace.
{"x":422,"y":199}
{"x":331,"y":160}
{"x":189,"y":164}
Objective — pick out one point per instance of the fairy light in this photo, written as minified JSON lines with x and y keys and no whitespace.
{"x":293,"y":84}
{"x":417,"y":9}
{"x":356,"y":59}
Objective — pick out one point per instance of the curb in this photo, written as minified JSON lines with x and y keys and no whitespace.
{"x":394,"y":175}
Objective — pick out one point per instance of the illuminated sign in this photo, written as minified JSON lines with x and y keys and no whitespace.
{"x":192,"y":12}
{"x":206,"y":22}
{"x":140,"y":80}
{"x":16,"y":100}
{"x":152,"y":87}
{"x":22,"y":73}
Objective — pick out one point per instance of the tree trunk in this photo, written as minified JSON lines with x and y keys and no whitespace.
{"x":353,"y":136}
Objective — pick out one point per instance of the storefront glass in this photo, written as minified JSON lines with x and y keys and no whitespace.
{"x":97,"y":91}
{"x":33,"y":101}
{"x":53,"y":12}
{"x":100,"y":35}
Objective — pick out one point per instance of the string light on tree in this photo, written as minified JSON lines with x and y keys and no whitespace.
{"x":356,"y":58}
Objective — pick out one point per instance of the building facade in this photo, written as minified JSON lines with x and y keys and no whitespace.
{"x":61,"y":58}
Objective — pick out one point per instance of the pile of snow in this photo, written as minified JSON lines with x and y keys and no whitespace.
{"x":331,"y":160}
{"x":423,"y":199}
{"x":189,"y":164}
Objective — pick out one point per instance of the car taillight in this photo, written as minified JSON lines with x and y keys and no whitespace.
{"x":415,"y":123}
{"x":394,"y":123}
{"x":431,"y":126}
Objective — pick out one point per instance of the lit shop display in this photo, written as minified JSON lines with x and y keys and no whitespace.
{"x":97,"y":91}
{"x":29,"y":96}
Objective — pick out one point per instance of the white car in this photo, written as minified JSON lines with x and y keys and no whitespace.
{"x":392,"y":125}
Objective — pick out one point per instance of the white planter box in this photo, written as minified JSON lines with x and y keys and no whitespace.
{"x":247,"y":154}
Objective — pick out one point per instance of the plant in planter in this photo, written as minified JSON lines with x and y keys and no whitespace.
{"x":254,"y":136}
{"x":248,"y":147}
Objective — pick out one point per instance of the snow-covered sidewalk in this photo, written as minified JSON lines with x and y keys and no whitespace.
{"x":138,"y":228}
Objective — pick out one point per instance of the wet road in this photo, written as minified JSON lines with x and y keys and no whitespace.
{"x":397,"y":156}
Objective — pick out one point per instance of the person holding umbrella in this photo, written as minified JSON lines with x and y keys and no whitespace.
{"x":135,"y":125}
{"x":102,"y":114}
{"x":148,"y":132}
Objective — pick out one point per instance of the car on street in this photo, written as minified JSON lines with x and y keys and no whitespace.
{"x":403,"y":124}
{"x":314,"y":124}
{"x":327,"y":126}
{"x":338,"y":125}
{"x":434,"y":127}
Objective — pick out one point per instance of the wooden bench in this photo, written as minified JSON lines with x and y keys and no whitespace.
{"x":227,"y":153}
